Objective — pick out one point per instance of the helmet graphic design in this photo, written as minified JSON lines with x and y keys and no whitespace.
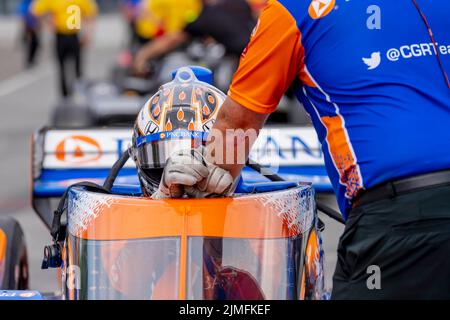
{"x":178,"y":116}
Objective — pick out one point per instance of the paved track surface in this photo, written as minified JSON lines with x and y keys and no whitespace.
{"x":26,"y":101}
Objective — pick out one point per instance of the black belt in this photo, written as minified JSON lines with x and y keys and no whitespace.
{"x":392,"y":189}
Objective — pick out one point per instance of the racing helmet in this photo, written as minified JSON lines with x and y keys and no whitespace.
{"x":179,"y":116}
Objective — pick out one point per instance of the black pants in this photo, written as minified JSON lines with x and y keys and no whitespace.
{"x":68,"y":50}
{"x":31,"y":41}
{"x":397,"y":249}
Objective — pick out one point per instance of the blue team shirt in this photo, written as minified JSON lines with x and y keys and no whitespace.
{"x":377,"y":96}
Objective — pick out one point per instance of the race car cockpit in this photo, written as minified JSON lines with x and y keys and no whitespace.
{"x":250,"y":247}
{"x":262,"y":243}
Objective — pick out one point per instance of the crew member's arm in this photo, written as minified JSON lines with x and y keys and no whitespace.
{"x":268,"y":67}
{"x":234,"y":115}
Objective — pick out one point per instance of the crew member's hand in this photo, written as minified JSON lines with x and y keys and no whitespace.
{"x":184,"y":169}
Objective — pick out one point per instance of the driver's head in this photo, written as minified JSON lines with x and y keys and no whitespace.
{"x":178,"y":116}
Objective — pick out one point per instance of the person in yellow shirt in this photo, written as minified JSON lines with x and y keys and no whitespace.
{"x":160,"y":17}
{"x":228,"y":22}
{"x":71,"y":21}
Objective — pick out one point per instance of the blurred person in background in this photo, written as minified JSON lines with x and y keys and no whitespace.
{"x":31,"y":30}
{"x":143,"y":25}
{"x":72,"y":22}
{"x":227,"y":22}
{"x":148,"y":25}
{"x":129,"y":11}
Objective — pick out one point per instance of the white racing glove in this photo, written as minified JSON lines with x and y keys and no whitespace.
{"x":187,"y":172}
{"x":184,"y":168}
{"x":219,"y":182}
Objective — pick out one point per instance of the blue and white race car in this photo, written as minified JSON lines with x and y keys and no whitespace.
{"x":63,"y":157}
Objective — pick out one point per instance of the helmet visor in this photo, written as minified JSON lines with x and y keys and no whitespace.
{"x":154,"y":150}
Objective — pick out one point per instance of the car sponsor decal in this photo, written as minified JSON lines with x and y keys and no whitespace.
{"x":76,"y":149}
{"x":83,"y":149}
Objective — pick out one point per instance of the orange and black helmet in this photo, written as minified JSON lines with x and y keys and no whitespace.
{"x":179,"y":116}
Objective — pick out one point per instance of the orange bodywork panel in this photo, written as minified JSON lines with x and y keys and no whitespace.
{"x":266,"y":223}
{"x":136,"y":218}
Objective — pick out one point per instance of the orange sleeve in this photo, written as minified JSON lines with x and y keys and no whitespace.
{"x":270,"y":63}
